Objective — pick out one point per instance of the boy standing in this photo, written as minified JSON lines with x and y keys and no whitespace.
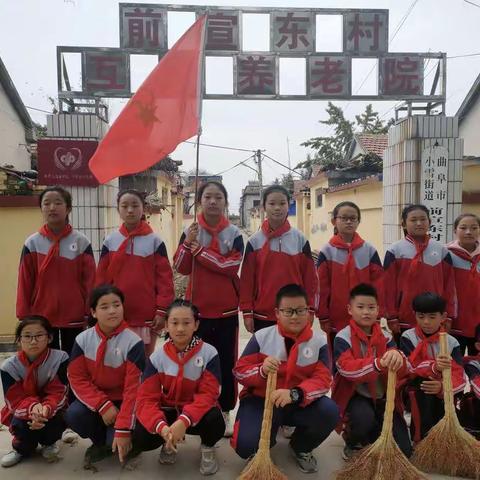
{"x":363,"y":354}
{"x":300,"y":358}
{"x":422,"y":347}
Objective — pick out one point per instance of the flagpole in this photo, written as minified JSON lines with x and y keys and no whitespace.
{"x":199,"y":134}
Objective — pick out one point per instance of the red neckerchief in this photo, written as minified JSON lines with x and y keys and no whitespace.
{"x":376,"y":344}
{"x":349,"y":268}
{"x":421,"y":351}
{"x":265,"y":250}
{"x":30,"y":380}
{"x":54,"y":249}
{"x":420,"y":247}
{"x":118,"y":258}
{"x":102,"y":348}
{"x":175,"y":390}
{"x":213,"y":231}
{"x":305,"y":335}
{"x":473,"y":258}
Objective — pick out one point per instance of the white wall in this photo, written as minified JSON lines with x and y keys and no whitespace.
{"x":12,"y":136}
{"x":468,"y":130}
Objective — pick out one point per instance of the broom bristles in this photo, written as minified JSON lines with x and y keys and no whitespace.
{"x":382,"y":460}
{"x":448,"y":449}
{"x":261,"y":468}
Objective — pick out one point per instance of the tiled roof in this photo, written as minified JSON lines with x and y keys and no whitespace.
{"x":373,"y":142}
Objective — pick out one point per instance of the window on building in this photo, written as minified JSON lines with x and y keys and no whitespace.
{"x":256,"y":203}
{"x":165,"y":196}
{"x":319,"y":197}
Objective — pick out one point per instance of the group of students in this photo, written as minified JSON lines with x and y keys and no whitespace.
{"x":95,"y":382}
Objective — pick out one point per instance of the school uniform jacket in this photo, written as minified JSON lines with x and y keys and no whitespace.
{"x":334,"y":283}
{"x":63,"y":292}
{"x":116,"y":379}
{"x":466,"y":269}
{"x":354,"y":374}
{"x":216,"y":283}
{"x":425,"y":368}
{"x":472,"y":368}
{"x":192,"y":387}
{"x":310,"y":372}
{"x":290,"y":261}
{"x":146,"y":277}
{"x":51,"y":382}
{"x":434,"y":275}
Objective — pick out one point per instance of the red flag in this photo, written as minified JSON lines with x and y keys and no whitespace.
{"x":164,"y":112}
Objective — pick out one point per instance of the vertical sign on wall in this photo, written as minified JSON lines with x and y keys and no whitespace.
{"x":434,"y":189}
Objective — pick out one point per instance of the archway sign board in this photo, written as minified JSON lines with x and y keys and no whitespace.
{"x":293,"y":33}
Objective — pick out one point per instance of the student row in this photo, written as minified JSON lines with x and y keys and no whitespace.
{"x":120,"y":411}
{"x":57,"y":270}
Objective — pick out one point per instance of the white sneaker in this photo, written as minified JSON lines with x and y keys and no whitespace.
{"x":69,"y":436}
{"x":11,"y":459}
{"x":228,"y":425}
{"x":50,"y":453}
{"x":208,"y":461}
{"x":167,"y":457}
{"x":288,"y":431}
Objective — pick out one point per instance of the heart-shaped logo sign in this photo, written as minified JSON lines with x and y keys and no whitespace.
{"x":67,"y":158}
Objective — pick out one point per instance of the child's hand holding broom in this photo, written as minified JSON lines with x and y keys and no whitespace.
{"x":448,"y":448}
{"x":383,"y":460}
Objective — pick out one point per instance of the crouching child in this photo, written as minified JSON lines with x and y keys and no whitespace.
{"x":105,"y":372}
{"x":301,"y":359}
{"x":421,"y":345}
{"x":35,"y":389}
{"x":180,"y":391}
{"x":363,"y":354}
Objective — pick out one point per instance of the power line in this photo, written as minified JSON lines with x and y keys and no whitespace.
{"x":464,"y":56}
{"x":220,"y":146}
{"x":282,"y":165}
{"x":37,"y":109}
{"x":472,"y":3}
{"x":243,"y":163}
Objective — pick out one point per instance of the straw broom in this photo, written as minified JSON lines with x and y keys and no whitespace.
{"x":448,"y":449}
{"x":383,"y":460}
{"x":261,"y":466}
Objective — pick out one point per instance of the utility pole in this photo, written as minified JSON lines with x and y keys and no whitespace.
{"x":260,"y":181}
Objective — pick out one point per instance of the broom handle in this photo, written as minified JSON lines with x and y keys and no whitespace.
{"x":387,"y":427}
{"x":264,"y":443}
{"x":447,"y":379}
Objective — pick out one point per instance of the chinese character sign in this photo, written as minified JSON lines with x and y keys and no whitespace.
{"x":106,"y":73}
{"x":401,"y":75}
{"x":65,"y":162}
{"x":256,"y":75}
{"x":223,"y":32}
{"x":329,"y":75}
{"x":143,"y":27}
{"x":292,"y":31}
{"x":365,"y":33}
{"x":434,"y":189}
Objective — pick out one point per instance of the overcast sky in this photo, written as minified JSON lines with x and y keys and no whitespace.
{"x":30,"y":30}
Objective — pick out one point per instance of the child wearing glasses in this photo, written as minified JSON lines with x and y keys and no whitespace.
{"x":276,"y":255}
{"x":344,"y":262}
{"x":35,"y":389}
{"x":301,"y":359}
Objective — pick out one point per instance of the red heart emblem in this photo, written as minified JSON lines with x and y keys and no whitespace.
{"x":68,"y":158}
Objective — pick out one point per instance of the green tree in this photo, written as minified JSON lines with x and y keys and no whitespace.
{"x":330,"y":152}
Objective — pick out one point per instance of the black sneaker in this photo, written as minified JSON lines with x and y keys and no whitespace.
{"x":350,"y":451}
{"x":96,"y":453}
{"x":306,"y":462}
